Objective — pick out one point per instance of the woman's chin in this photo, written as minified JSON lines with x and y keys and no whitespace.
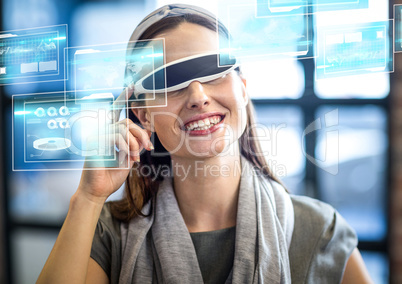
{"x":209,"y":150}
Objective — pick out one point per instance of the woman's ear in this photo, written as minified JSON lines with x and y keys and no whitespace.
{"x":144,"y":117}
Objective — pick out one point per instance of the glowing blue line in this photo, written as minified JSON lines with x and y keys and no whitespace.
{"x":21,"y":112}
{"x":59,"y":38}
{"x":155,"y":55}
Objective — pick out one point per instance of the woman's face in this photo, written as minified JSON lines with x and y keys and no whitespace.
{"x":220,"y":103}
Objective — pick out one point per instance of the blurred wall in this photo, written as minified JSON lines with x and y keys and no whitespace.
{"x":3,"y":263}
{"x":395,"y":248}
{"x":2,"y":217}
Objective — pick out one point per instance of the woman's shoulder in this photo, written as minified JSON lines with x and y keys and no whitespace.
{"x":318,"y":221}
{"x":322,"y":241}
{"x":313,"y":210}
{"x":107,"y":221}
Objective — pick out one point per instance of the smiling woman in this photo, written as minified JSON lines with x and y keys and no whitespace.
{"x":217,"y":215}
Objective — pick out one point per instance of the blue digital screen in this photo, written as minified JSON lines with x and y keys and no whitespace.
{"x":255,"y":36}
{"x":32,"y":55}
{"x":108,"y":68}
{"x":50,"y":132}
{"x":266,"y":7}
{"x":351,"y":50}
{"x":398,"y":27}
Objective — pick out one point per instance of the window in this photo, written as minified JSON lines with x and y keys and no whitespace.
{"x":357,"y":190}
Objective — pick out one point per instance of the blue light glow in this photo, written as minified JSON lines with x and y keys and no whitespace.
{"x":108,"y":69}
{"x":59,"y":38}
{"x":275,"y":6}
{"x":351,"y":50}
{"x":398,"y":27}
{"x":52,"y":133}
{"x":253,"y":35}
{"x":21,"y":112}
{"x":32,"y":55}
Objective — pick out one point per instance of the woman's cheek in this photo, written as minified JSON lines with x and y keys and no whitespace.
{"x":169,"y":135}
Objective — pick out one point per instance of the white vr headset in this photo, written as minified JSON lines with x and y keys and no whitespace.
{"x":180,"y":73}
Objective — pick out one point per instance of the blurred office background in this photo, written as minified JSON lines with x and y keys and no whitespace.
{"x":358,"y":116}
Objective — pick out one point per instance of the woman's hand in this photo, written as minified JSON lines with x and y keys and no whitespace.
{"x":68,"y":261}
{"x":98,"y":182}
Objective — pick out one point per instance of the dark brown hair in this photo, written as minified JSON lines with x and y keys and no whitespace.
{"x":141,"y":189}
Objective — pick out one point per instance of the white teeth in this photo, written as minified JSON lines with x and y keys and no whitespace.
{"x":216,"y":119}
{"x":203,"y":124}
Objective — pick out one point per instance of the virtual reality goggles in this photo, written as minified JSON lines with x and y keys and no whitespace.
{"x":178,"y":74}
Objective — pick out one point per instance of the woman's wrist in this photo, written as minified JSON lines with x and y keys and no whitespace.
{"x":84,"y":198}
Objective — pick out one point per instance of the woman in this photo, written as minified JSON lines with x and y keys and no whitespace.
{"x":218,"y":215}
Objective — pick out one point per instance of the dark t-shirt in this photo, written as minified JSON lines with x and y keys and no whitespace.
{"x":215,"y":253}
{"x":321,"y":244}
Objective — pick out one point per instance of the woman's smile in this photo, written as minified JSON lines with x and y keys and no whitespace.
{"x":203,"y":124}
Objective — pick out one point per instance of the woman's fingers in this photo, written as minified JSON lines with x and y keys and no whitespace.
{"x":141,"y":135}
{"x":121,"y":143}
{"x":133,"y":138}
{"x":129,"y":147}
{"x":129,"y":137}
{"x":125,"y":161}
{"x":134,"y":146}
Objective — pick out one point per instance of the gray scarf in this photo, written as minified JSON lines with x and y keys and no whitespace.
{"x":161,"y":244}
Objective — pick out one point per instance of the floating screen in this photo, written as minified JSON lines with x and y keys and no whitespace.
{"x":352,"y":50}
{"x":398,"y":27}
{"x":254,"y":36}
{"x":108,"y":69}
{"x":32,"y":55}
{"x":51,"y":133}
{"x":266,"y":7}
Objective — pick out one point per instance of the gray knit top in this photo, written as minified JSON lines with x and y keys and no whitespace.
{"x":321,"y":244}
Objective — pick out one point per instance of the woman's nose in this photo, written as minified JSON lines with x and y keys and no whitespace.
{"x":197,"y":98}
